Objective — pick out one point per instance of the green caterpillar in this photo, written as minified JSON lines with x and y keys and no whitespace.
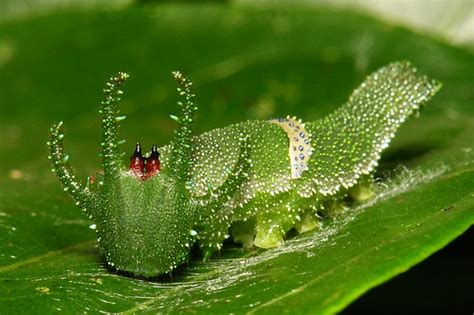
{"x":253,"y":181}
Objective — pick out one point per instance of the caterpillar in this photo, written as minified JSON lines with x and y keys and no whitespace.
{"x":252,"y":181}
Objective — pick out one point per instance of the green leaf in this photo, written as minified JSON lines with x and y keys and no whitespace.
{"x":246,"y":64}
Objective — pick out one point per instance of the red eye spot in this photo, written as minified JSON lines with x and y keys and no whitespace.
{"x":137,"y":162}
{"x":153,"y":163}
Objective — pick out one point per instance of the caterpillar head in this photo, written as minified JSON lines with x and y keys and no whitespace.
{"x":143,"y":214}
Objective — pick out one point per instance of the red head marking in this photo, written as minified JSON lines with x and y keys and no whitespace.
{"x":153,"y":162}
{"x":137,"y":162}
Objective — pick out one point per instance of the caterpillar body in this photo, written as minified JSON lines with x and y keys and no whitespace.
{"x":253,"y":181}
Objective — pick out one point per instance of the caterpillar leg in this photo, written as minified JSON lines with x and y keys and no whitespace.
{"x":364,"y":190}
{"x":333,"y":206}
{"x":309,"y":221}
{"x":210,"y":240}
{"x":276,"y":217}
{"x":269,"y":233}
{"x":244,"y":232}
